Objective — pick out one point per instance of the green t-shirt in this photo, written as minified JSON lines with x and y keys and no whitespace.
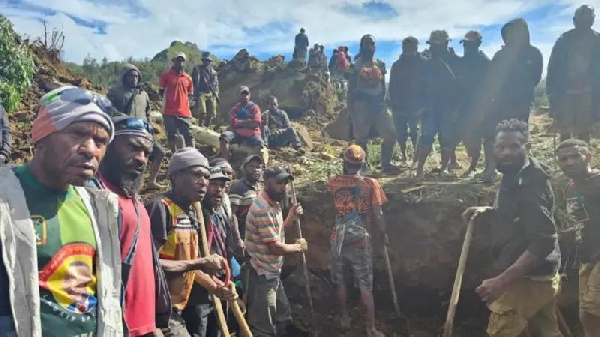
{"x":66,"y":251}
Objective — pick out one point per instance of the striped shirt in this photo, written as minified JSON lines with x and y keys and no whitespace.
{"x":264,"y":224}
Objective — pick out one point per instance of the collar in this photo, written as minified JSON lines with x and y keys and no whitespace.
{"x":531,"y":172}
{"x":271,"y":202}
{"x":184,"y":206}
{"x":254,"y":186}
{"x":111,"y":187}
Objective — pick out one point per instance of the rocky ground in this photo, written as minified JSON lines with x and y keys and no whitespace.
{"x":423,"y":216}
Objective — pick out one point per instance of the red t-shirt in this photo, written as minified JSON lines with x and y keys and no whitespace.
{"x":177,"y":87}
{"x":140,"y":295}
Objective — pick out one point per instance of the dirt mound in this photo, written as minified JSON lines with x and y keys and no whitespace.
{"x":51,"y":74}
{"x":297,"y":90}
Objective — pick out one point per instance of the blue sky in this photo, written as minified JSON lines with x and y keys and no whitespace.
{"x":140,"y":28}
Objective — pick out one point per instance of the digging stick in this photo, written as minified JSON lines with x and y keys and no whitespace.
{"x":393,"y":285}
{"x":304,"y":267}
{"x":462,"y":263}
{"x":245,"y":329}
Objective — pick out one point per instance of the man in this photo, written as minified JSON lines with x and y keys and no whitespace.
{"x":174,"y":224}
{"x":439,"y":94}
{"x":583,"y":200}
{"x":300,"y":45}
{"x":199,"y":315}
{"x":313,"y":57}
{"x":121,"y":172}
{"x":245,"y":190}
{"x":332,"y":66}
{"x":358,"y":202}
{"x":473,"y":71}
{"x":5,"y":135}
{"x":366,"y":99}
{"x":322,"y":58}
{"x":515,"y":70}
{"x":521,"y":294}
{"x":129,"y":98}
{"x":403,"y":93}
{"x":58,"y":238}
{"x":278,"y":132}
{"x":269,"y":312}
{"x":573,"y":80}
{"x":175,"y":86}
{"x":206,"y":84}
{"x":245,"y":125}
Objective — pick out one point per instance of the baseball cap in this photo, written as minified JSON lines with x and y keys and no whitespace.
{"x":216,"y":173}
{"x":278,"y":173}
{"x":180,"y":54}
{"x":438,"y":37}
{"x":244,"y":88}
{"x":473,"y":36}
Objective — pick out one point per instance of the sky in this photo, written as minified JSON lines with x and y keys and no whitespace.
{"x":118,"y":29}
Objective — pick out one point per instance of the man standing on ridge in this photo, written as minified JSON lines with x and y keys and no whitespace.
{"x":206,"y":86}
{"x":473,"y":71}
{"x":129,"y":98}
{"x":176,"y":86}
{"x":366,"y":99}
{"x":403,"y":93}
{"x":301,"y":45}
{"x":573,"y":80}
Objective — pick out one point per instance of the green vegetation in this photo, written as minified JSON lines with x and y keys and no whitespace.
{"x":540,"y":99}
{"x":105,"y":74}
{"x":16,"y":66}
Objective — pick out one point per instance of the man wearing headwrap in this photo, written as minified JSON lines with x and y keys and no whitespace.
{"x":129,"y":98}
{"x":175,"y":225}
{"x":58,"y":238}
{"x":366,"y":99}
{"x":147,"y":301}
{"x":515,"y":70}
{"x":573,"y":80}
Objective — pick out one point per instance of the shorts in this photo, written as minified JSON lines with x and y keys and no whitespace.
{"x":231,"y":137}
{"x":370,"y":114}
{"x":444,"y":125}
{"x":176,"y":327}
{"x":360,"y":261}
{"x":526,"y":305}
{"x":175,"y":125}
{"x":589,"y":288}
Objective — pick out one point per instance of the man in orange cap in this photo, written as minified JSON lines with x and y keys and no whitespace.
{"x":358,"y":202}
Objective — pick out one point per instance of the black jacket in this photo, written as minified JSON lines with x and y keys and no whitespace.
{"x":523,"y":220}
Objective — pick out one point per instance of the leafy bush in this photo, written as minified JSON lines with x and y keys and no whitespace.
{"x":16,"y":66}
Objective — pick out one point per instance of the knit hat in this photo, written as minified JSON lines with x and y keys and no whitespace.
{"x":125,"y":125}
{"x":186,"y":158}
{"x":67,"y":105}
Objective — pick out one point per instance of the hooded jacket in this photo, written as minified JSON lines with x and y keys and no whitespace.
{"x":556,"y":80}
{"x":515,"y":70}
{"x":133,"y":102}
{"x":19,"y":256}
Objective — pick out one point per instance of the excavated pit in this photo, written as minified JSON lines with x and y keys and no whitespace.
{"x":426,"y":234}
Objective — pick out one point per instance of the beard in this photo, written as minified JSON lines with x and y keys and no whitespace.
{"x":276,"y":196}
{"x":121,"y":173}
{"x":510,"y":168}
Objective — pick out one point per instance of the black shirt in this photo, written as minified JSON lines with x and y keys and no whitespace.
{"x":523,"y":220}
{"x":583,"y":209}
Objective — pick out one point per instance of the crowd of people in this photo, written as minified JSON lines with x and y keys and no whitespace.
{"x":83,"y":255}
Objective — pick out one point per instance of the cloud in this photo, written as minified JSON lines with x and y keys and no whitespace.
{"x":140,"y":28}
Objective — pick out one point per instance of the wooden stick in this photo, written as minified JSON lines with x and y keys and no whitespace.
{"x":462,"y":263}
{"x":245,"y":329}
{"x":388,"y":265}
{"x":304,"y":267}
